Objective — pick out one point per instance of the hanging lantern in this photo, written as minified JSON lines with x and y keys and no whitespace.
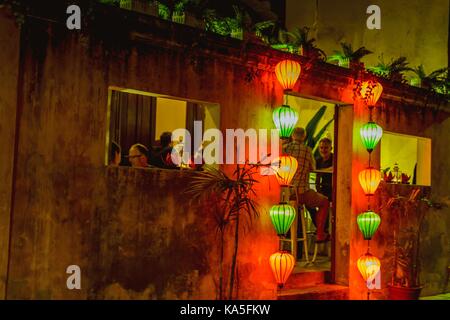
{"x":285,"y":120}
{"x":370,"y":135}
{"x":368,"y":223}
{"x":370,"y":92}
{"x":369,"y":179}
{"x":285,"y":168}
{"x":287,"y":72}
{"x":282,"y":264}
{"x":368,"y":266}
{"x":282,"y":216}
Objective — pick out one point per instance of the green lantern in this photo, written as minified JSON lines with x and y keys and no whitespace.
{"x":370,"y":135}
{"x":368,"y":223}
{"x":282,"y":216}
{"x":285,"y":120}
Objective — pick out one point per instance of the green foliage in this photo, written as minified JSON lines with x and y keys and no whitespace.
{"x":347,"y":54}
{"x":311,"y":138}
{"x":438,"y":80}
{"x":111,"y":2}
{"x":233,"y":198}
{"x":391,"y":69}
{"x":216,"y":24}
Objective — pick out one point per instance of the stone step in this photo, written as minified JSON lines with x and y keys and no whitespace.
{"x":306,"y":279}
{"x":318,"y":292}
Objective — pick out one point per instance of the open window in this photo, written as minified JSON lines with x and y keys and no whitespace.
{"x":141,"y":117}
{"x":406,"y":156}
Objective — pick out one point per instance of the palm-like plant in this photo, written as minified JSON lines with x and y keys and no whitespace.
{"x":347,"y":55}
{"x":233,"y":197}
{"x":301,"y":39}
{"x":435,"y":80}
{"x":311,"y":138}
{"x":392,"y":70}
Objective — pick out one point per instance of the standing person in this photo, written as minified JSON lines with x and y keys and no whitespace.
{"x":138,"y":156}
{"x":307,"y":196}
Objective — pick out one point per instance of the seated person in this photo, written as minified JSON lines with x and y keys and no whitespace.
{"x":114,"y":154}
{"x":138,"y":156}
{"x":162,"y":155}
{"x":307,"y":196}
{"x":323,"y":180}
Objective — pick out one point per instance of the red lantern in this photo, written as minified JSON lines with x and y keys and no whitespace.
{"x":370,"y":92}
{"x":285,"y":168}
{"x":368,"y":266}
{"x":282,"y":264}
{"x":287,"y":72}
{"x":369,"y":179}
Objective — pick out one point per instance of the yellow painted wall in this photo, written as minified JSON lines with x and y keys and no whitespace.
{"x":407,"y":151}
{"x":170,"y":115}
{"x":416,"y":29}
{"x":307,"y":108}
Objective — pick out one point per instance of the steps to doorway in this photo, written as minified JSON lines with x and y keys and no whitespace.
{"x":311,"y":285}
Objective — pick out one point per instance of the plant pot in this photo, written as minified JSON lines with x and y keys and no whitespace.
{"x":402,"y":293}
{"x":344,"y":63}
{"x":142,"y":6}
{"x":179,"y":17}
{"x":416,"y":82}
{"x":237,"y":33}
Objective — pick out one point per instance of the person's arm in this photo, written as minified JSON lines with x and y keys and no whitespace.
{"x":312,"y":161}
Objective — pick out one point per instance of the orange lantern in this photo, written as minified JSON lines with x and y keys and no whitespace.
{"x":287,"y":72}
{"x":285,"y":168}
{"x":369,"y":179}
{"x":368,"y":266}
{"x":370,"y":92}
{"x":282,"y":264}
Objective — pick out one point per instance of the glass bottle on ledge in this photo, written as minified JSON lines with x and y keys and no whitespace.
{"x":397,"y":175}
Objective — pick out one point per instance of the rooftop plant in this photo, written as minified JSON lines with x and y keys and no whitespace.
{"x":392,"y":70}
{"x":347,"y":55}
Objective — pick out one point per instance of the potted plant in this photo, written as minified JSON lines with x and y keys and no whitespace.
{"x":392,"y":70}
{"x":142,"y":6}
{"x":410,"y":213}
{"x":232,"y":199}
{"x":215,"y":23}
{"x":347,"y":57}
{"x":236,"y":23}
{"x":283,"y":43}
{"x":263,"y":30}
{"x":430,"y":81}
{"x":304,"y":44}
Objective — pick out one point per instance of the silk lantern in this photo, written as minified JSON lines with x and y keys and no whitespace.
{"x":368,"y":266}
{"x":371,"y":134}
{"x":368,"y":223}
{"x":282,"y":216}
{"x":285,"y":119}
{"x":282,"y":263}
{"x":370,"y":92}
{"x":287,"y":72}
{"x":285,"y":168}
{"x":369,"y":179}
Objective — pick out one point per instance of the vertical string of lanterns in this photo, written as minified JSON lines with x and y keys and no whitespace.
{"x":369,"y":179}
{"x":282,"y":215}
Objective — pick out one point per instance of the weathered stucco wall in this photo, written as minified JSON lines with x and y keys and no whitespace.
{"x":131,"y":232}
{"x":406,"y":119}
{"x":9,"y":73}
{"x":416,"y":29}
